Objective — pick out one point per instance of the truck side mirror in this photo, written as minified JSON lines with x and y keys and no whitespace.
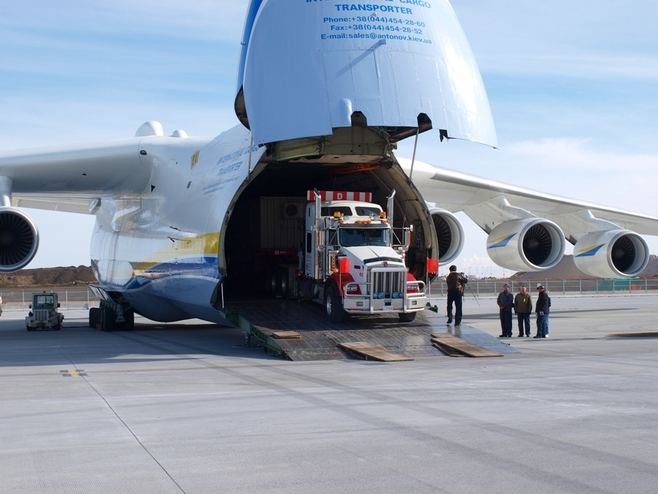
{"x":58,"y":304}
{"x":30,"y":306}
{"x":407,"y":237}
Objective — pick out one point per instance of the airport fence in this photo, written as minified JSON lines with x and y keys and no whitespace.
{"x":69,"y":297}
{"x":83,"y":297}
{"x":486,"y":288}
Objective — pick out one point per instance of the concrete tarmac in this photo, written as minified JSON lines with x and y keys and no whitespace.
{"x":188,"y":408}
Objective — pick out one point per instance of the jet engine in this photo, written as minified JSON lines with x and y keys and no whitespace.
{"x":611,"y":254}
{"x":19,"y":239}
{"x":450,"y":234}
{"x":528,"y":244}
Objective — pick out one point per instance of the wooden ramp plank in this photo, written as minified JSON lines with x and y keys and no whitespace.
{"x":374,"y":352}
{"x":452,"y":344}
{"x":286,"y":335}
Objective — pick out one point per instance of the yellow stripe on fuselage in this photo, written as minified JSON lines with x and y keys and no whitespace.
{"x":203,"y":245}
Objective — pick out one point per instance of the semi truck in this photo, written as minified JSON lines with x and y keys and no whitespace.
{"x":348,"y":260}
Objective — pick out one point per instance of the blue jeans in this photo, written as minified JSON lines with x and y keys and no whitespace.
{"x":506,"y":322}
{"x":542,"y":325}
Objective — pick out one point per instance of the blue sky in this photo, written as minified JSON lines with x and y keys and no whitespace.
{"x":573,"y":88}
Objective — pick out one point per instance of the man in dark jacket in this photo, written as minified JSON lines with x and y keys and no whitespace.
{"x":523,"y":308}
{"x":505,"y":304}
{"x":542,"y":308}
{"x":455,"y":282}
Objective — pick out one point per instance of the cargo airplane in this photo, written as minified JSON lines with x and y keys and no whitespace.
{"x":326,"y":90}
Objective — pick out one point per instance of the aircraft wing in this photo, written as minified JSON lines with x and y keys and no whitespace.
{"x":489,"y":203}
{"x":71,"y":179}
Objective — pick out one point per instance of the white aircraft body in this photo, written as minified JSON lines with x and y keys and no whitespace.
{"x":326,"y":90}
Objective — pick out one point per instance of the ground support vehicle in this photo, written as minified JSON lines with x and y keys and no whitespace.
{"x":43,"y":312}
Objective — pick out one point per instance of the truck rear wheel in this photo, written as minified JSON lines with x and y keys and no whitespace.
{"x":407,"y":316}
{"x":279,"y":282}
{"x":333,"y":305}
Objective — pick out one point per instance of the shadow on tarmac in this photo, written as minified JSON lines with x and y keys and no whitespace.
{"x":78,"y":343}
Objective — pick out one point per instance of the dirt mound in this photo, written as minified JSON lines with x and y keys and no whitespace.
{"x":42,"y":277}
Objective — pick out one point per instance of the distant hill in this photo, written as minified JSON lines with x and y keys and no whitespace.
{"x":42,"y":277}
{"x":566,"y":270}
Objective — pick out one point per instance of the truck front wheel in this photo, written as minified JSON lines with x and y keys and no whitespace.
{"x":407,"y":316}
{"x":333,"y":305}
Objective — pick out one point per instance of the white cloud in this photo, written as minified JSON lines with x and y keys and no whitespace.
{"x":201,"y":19}
{"x":591,"y":39}
{"x":574,"y":154}
{"x":38,"y":122}
{"x":594,"y":66}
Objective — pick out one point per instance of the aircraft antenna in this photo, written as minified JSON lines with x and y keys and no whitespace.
{"x":251,"y":147}
{"x":413,"y":157}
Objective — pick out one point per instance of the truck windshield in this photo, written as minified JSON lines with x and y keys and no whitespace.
{"x":343,"y":210}
{"x":354,"y":237}
{"x":367,"y":211}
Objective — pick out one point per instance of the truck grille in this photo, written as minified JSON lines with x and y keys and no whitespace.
{"x":388,"y":284}
{"x":41,"y":315}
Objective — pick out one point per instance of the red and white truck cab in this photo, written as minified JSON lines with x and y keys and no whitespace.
{"x":351,"y":263}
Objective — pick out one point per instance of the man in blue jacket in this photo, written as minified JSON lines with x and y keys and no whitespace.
{"x":456,"y":282}
{"x":542,"y":309}
{"x":505,"y":304}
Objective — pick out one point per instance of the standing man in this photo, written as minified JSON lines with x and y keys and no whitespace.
{"x":455,"y":282}
{"x":505,"y":304}
{"x":542,"y":308}
{"x":523,"y":308}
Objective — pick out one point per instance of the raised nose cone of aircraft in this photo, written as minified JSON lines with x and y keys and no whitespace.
{"x":308,"y":67}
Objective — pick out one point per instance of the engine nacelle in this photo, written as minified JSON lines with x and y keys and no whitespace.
{"x":19,"y":239}
{"x":450,"y":234}
{"x":611,"y":254}
{"x":528,"y":244}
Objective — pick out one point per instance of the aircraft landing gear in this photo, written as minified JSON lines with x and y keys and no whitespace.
{"x":111,"y":316}
{"x":94,"y":317}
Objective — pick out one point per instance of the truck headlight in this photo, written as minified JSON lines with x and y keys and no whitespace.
{"x":352,"y":289}
{"x":413,"y":288}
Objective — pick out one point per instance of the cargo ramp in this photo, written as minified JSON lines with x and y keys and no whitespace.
{"x":300,"y":331}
